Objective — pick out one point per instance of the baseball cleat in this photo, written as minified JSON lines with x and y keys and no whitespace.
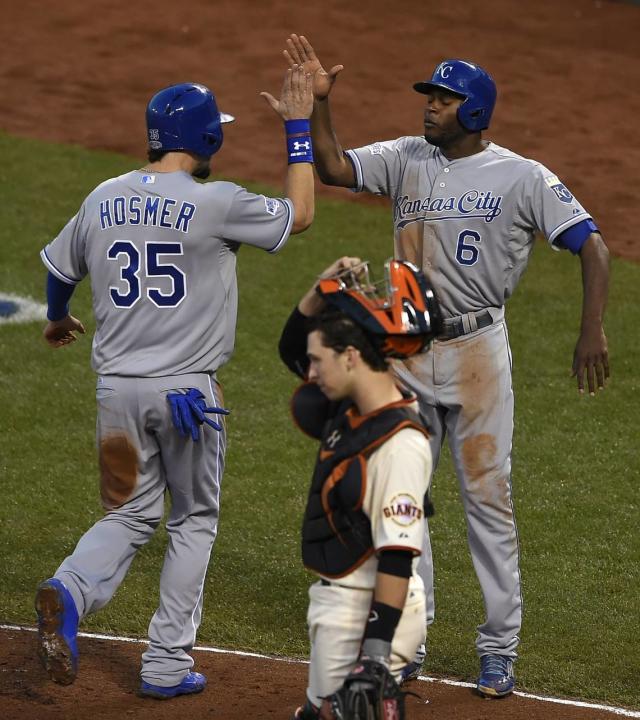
{"x":193,"y":682}
{"x":57,"y":631}
{"x":412,"y":670}
{"x":496,"y":676}
{"x":409,"y":672}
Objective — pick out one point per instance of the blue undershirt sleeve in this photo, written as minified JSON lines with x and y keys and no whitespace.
{"x":575,"y":237}
{"x":58,"y":295}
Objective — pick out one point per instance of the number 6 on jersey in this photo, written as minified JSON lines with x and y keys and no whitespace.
{"x":467,"y":251}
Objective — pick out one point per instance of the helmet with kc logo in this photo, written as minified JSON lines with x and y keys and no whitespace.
{"x":469,"y":81}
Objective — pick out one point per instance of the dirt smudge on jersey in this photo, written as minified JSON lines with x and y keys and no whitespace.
{"x":409,"y":242}
{"x":118,"y":470}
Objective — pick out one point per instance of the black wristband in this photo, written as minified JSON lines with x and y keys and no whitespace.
{"x":382,"y":622}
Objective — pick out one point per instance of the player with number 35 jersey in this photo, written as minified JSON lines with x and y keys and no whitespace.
{"x":160,"y":250}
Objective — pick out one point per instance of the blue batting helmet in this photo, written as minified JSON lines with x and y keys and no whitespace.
{"x":185,"y":117}
{"x":472,"y":83}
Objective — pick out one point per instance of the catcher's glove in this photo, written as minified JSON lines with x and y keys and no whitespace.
{"x":368,"y":693}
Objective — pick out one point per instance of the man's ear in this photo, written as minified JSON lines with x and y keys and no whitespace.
{"x":354,"y":358}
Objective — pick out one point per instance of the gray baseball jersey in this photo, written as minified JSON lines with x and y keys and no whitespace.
{"x":471,"y":223}
{"x":161,"y":253}
{"x":475,"y":217}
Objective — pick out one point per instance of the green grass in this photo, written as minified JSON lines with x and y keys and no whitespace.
{"x":576,"y":475}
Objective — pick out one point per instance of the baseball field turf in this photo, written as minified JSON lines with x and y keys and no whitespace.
{"x":576,"y":476}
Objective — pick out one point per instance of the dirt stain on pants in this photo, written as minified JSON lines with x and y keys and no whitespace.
{"x":118,"y":470}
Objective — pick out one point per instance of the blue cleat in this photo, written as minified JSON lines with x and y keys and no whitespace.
{"x":496,"y":676}
{"x":412,"y":670}
{"x":57,"y":631}
{"x":193,"y":682}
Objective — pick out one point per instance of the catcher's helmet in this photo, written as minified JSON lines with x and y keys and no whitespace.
{"x":185,"y":117}
{"x":401,"y":313}
{"x":469,"y":81}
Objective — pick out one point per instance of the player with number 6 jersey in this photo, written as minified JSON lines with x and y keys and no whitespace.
{"x":467,"y":211}
{"x":160,"y":250}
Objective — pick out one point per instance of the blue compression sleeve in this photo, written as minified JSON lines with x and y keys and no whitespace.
{"x":575,"y":237}
{"x":58,"y":295}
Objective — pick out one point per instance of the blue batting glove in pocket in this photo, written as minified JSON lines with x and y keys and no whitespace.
{"x":188,"y":412}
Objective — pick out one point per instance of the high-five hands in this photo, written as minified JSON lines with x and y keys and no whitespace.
{"x":300,"y":52}
{"x":296,"y":97}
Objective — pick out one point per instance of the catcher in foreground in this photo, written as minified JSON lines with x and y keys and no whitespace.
{"x":364,"y":521}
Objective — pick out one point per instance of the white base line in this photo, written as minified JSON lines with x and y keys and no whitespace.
{"x":424,"y":678}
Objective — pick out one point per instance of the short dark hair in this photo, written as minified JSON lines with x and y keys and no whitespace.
{"x":156,"y":155}
{"x":339,"y":331}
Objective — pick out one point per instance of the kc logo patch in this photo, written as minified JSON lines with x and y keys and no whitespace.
{"x":271,"y":205}
{"x":403,"y":510}
{"x":559,"y":189}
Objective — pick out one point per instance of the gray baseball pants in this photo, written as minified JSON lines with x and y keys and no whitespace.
{"x":142,"y":456}
{"x":464,"y":391}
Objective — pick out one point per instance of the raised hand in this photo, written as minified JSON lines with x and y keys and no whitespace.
{"x":300,"y":52}
{"x":296,"y":98}
{"x":311,"y":303}
{"x":341,"y":265}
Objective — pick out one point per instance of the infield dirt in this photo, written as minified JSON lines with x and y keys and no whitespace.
{"x":239,"y":688}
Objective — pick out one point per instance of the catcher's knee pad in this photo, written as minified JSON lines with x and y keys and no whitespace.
{"x":308,"y":711}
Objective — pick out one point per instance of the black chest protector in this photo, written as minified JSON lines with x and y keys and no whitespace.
{"x":336,"y":533}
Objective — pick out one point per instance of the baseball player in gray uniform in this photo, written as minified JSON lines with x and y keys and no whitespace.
{"x":160,"y":249}
{"x":467,"y":210}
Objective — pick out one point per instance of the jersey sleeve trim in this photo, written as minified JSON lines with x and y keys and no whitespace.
{"x":357,"y":167}
{"x":55,"y":271}
{"x":287,"y":230}
{"x":567,"y":224}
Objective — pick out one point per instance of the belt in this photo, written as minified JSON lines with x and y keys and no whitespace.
{"x":465,"y":324}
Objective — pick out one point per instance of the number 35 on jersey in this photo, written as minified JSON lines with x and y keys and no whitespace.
{"x":165,"y":284}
